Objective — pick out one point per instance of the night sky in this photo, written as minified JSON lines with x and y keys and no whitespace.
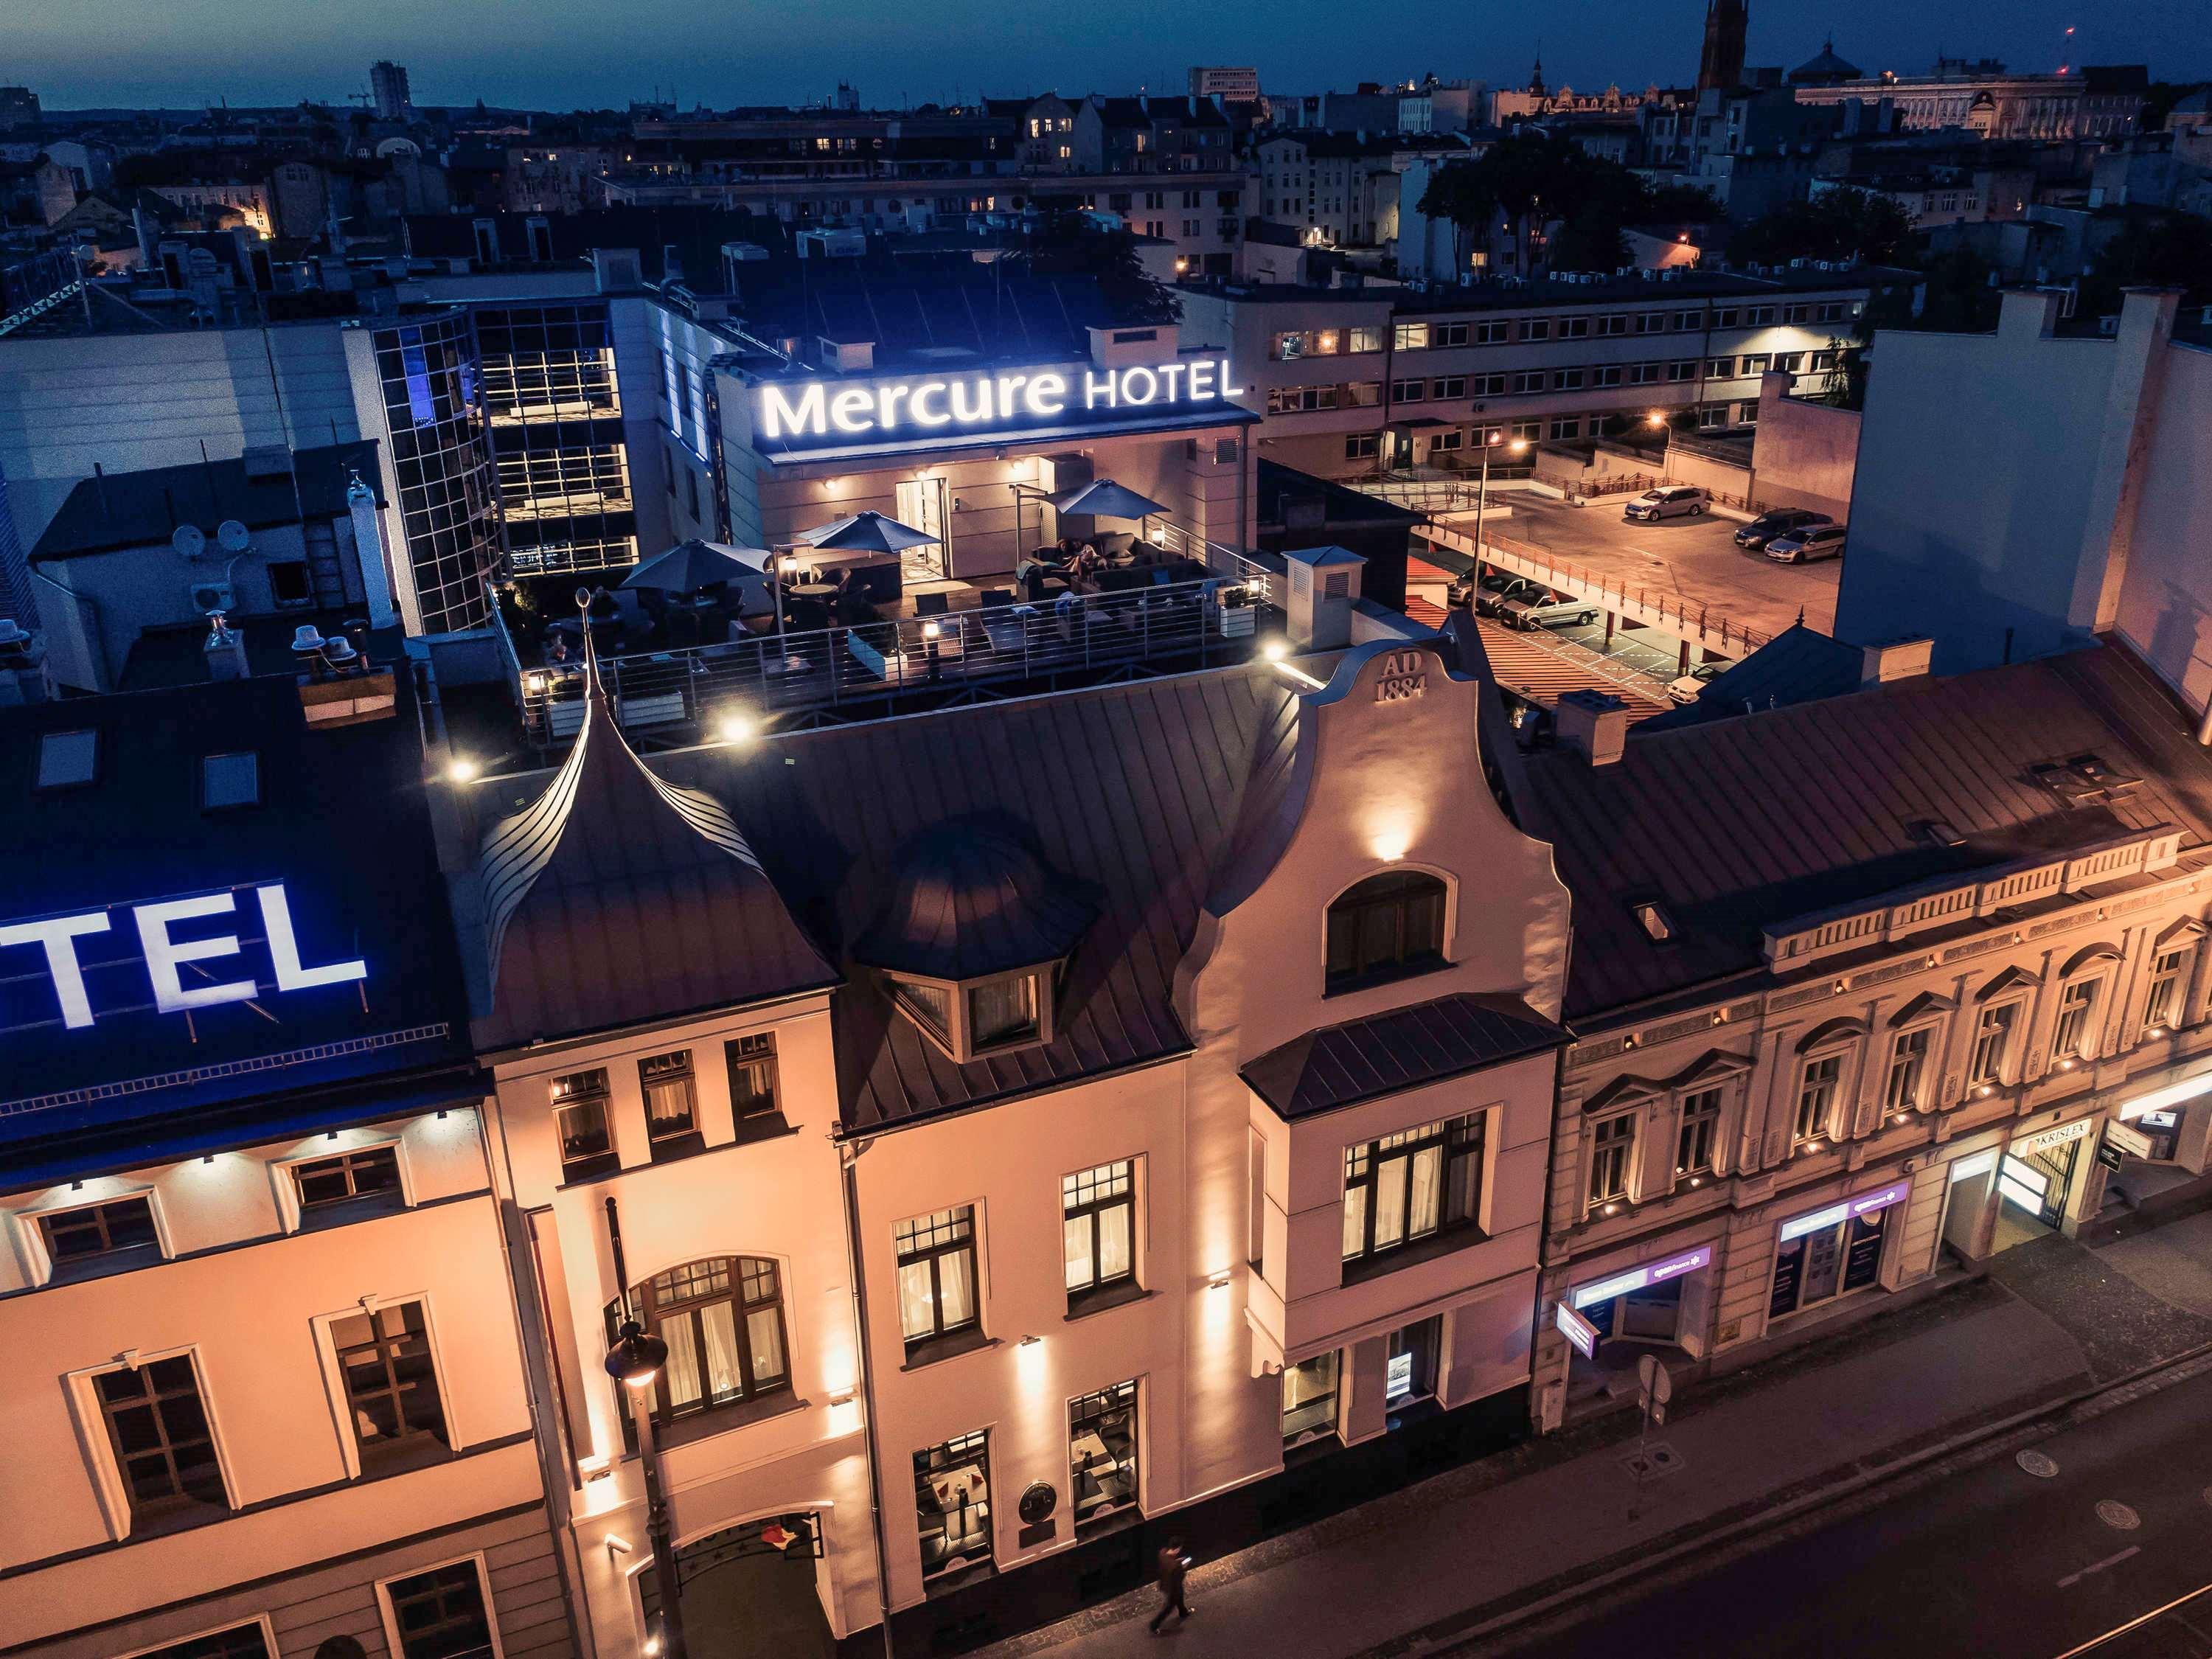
{"x":563,"y":54}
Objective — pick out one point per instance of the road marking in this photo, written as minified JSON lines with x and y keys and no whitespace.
{"x":2135,"y":1623}
{"x":2072,"y":1579}
{"x":2117,"y":1515}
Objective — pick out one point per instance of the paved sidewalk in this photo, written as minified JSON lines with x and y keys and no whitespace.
{"x":1556,"y":1512}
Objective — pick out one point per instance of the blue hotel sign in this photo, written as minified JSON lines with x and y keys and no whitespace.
{"x":205,"y":970}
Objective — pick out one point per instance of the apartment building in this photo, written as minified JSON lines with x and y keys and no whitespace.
{"x":1341,"y":190}
{"x":269,"y":1391}
{"x":1904,"y":1003}
{"x":2090,"y":101}
{"x":1357,"y":379}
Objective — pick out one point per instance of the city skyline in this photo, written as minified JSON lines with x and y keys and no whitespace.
{"x":109,"y":53}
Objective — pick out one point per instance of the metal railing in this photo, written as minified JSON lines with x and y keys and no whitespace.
{"x":1224,"y":561}
{"x":1213,"y":620}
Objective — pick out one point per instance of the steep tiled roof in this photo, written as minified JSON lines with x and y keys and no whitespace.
{"x":1405,"y":1049}
{"x":1732,"y":824}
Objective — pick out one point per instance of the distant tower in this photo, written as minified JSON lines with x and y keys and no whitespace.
{"x":387,"y":84}
{"x":19,"y":108}
{"x":1722,"y":65}
{"x":1536,"y":75}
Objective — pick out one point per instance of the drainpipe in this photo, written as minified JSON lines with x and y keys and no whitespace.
{"x":2204,"y":726}
{"x":867,"y":1387}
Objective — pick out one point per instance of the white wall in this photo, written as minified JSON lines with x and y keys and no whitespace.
{"x":2166,"y":595}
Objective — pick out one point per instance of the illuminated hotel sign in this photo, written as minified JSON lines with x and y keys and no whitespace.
{"x":169,"y":960}
{"x":833,"y":414}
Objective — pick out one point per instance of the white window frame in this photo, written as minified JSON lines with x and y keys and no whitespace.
{"x":1800,"y":1139}
{"x":957,"y":1043}
{"x":327,"y":1355}
{"x":1716,"y":1165}
{"x":2176,"y":1014}
{"x":390,"y":1619}
{"x":268,"y":1637}
{"x":31,"y":1237}
{"x":287,"y":1189}
{"x":1594,"y":1203}
{"x":2086,"y":1041}
{"x":108,"y":1484}
{"x":2008,"y":1060}
{"x":1930,"y":1059}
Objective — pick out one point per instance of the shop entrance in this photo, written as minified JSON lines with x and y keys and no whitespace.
{"x":750,"y":1592}
{"x":2033,"y":1188}
{"x":922,"y":506}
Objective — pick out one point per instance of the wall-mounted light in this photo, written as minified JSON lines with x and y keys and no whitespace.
{"x":208,"y":1158}
{"x":1218,"y":1282}
{"x":617,"y":1546}
{"x":1032,"y":1341}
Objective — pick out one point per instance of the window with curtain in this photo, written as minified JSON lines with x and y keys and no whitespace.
{"x":671,"y":1108}
{"x":1098,"y":1214}
{"x":937,"y":1275}
{"x":1385,"y":927}
{"x":1002,"y":1010}
{"x":723,"y":1319}
{"x":752,"y":1074}
{"x":1412,"y":1185}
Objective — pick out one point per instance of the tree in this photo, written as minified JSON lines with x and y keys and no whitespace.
{"x":1537,"y":180}
{"x":1844,"y":223}
{"x":1072,"y":244}
{"x":2169,"y":252}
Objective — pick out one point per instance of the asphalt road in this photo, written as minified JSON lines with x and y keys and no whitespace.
{"x":1697,"y":560}
{"x":1989,"y":1559}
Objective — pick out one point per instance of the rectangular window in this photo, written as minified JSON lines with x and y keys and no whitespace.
{"x":1789,"y":362}
{"x":67,"y":759}
{"x":1487,"y":386}
{"x":1682,"y":371}
{"x":2162,"y":1006}
{"x":1298,"y":399}
{"x":953,"y":1504}
{"x":1574,"y":328}
{"x":1098,"y":1229}
{"x":1001,"y":1012}
{"x":1606,"y":375}
{"x":1759,"y":316}
{"x":752,"y":1075}
{"x":1362,"y":446}
{"x":1822,"y":1266}
{"x":1443,"y":443}
{"x":1491,"y":334}
{"x":1409,"y":1364}
{"x":1451,"y":386}
{"x":580,"y":1119}
{"x":83,"y":1242}
{"x":1701,"y":1125}
{"x":1993,"y":1043}
{"x":159,"y":1432}
{"x":1816,"y":1096}
{"x":231,"y":780}
{"x":1529,"y":379}
{"x":1685,"y":321}
{"x":937,"y":1276}
{"x":1327,"y":342}
{"x":671,"y":1105}
{"x":1102,"y":1452}
{"x":1363,"y":394}
{"x":2074,"y":1035}
{"x":1447,"y":334}
{"x":1410,"y":337}
{"x":1408,"y":392}
{"x":1411,"y":1185}
{"x":1569,"y":426}
{"x":323,"y":1183}
{"x":1908,"y":1068}
{"x":390,"y":1386}
{"x":1287,"y":347}
{"x":1618,"y":325}
{"x":1612,"y":1140}
{"x":249,"y":1641}
{"x":1567,"y":379}
{"x":930,"y":1004}
{"x":1721,"y":369}
{"x":1390,"y":926}
{"x":1309,"y":1398}
{"x":1755,"y":363}
{"x":723,"y":1319}
{"x":442,"y":1613}
{"x":1366,"y":339}
{"x":1643,"y":373}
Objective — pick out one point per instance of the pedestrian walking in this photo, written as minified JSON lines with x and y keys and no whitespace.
{"x":1173,"y":1567}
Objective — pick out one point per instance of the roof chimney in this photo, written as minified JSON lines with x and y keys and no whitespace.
{"x":1594,"y":724}
{"x":1893,"y":659}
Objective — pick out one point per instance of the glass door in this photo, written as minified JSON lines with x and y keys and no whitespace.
{"x":922,"y":506}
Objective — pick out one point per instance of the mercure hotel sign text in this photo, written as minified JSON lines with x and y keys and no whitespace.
{"x":809,"y":413}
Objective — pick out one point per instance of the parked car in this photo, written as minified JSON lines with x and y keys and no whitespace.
{"x":1669,"y":502}
{"x":1780,"y":522}
{"x":1820,"y":541}
{"x":1686,"y":688}
{"x":1492,"y":601}
{"x":1466,"y":590}
{"x":1546,"y":610}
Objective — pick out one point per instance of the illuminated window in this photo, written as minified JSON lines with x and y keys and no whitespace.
{"x":672,"y":1113}
{"x":1098,"y":1230}
{"x":1385,"y":927}
{"x":936,"y":1277}
{"x":1412,"y":1185}
{"x":1310,"y":1389}
{"x":723,"y":1319}
{"x":2074,"y":1035}
{"x":1612,"y":1142}
{"x":579,"y":1121}
{"x":1102,"y":1452}
{"x":1700,"y":1132}
{"x":953,"y":1504}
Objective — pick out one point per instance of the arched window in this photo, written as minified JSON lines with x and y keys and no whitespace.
{"x":723,"y":1319}
{"x":1383,"y":928}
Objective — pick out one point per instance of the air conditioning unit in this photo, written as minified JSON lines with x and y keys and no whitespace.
{"x":212,"y":596}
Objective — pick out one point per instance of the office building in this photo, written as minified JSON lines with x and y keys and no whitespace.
{"x":1237,"y":86}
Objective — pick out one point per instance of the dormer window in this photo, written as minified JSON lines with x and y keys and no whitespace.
{"x":970,"y":1018}
{"x":1386,"y":927}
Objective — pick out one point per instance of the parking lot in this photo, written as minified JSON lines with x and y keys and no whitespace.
{"x":1694,"y":559}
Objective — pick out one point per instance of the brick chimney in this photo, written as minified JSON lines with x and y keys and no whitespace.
{"x":1594,"y":724}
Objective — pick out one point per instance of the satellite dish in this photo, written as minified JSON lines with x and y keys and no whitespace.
{"x":233,"y":536}
{"x":189,"y":540}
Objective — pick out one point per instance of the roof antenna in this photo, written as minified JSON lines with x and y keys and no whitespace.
{"x":597,"y":692}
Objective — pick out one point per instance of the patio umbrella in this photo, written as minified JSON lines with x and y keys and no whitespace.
{"x":1102,"y":498}
{"x":690,"y":567}
{"x":865,"y":533}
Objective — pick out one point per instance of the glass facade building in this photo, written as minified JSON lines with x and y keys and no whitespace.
{"x":433,"y":408}
{"x":555,"y":415}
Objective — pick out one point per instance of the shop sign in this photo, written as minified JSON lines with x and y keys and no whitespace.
{"x":2159,"y":1119}
{"x":1857,"y":1205}
{"x":2050,"y":1137}
{"x":2130,"y":1142}
{"x":1577,"y":1330}
{"x":1656,"y":1273}
{"x":2109,"y":1156}
{"x":167,"y":959}
{"x":2160,"y":1100}
{"x":822,"y":414}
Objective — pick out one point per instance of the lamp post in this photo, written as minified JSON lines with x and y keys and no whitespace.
{"x":635,"y":1361}
{"x":1482,"y":492}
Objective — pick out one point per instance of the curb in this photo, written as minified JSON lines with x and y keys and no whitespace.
{"x":1784,"y":1504}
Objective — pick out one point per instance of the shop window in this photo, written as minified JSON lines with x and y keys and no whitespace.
{"x":1906,"y":1089}
{"x":162,"y":1442}
{"x":1612,"y":1143}
{"x":1816,"y":1099}
{"x":1700,"y":1133}
{"x":723,"y":1319}
{"x":953,"y":1504}
{"x":1828,"y":1262}
{"x":1098,"y":1231}
{"x":580,"y":1122}
{"x":938,"y":1303}
{"x":672,"y":1113}
{"x":1309,"y":1398}
{"x":1992,"y":1054}
{"x":2075,"y":1036}
{"x":1410,"y":1186}
{"x":391,"y":1397}
{"x":443,"y":1614}
{"x":99,"y":1238}
{"x":1409,"y":1365}
{"x":1385,"y":927}
{"x":1102,"y":1452}
{"x":2169,"y":974}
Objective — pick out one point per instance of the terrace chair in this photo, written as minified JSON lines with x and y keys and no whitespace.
{"x":931,"y":605}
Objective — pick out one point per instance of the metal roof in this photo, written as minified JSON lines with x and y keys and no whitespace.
{"x":1798,"y":665}
{"x":1405,"y":1049}
{"x":1734,"y":825}
{"x":138,"y":509}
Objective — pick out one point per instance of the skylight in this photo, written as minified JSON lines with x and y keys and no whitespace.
{"x":233,"y":780}
{"x":1657,"y":925}
{"x":67,"y":758}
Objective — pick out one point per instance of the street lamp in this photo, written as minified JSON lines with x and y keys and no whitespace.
{"x":1482,"y":492}
{"x":635,"y":1361}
